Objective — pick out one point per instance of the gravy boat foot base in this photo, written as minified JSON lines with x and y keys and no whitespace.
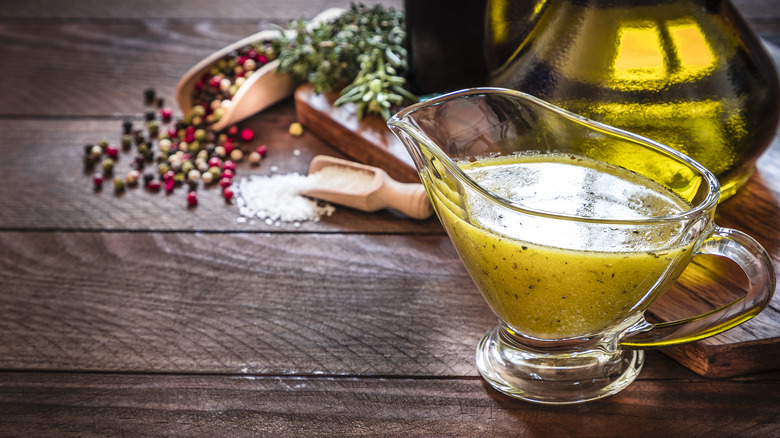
{"x":552,"y":377}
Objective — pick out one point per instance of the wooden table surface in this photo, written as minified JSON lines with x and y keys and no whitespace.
{"x":135,"y":315}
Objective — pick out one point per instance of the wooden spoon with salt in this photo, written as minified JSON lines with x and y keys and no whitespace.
{"x":365,"y":188}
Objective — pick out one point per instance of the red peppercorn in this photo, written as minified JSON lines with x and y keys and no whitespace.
{"x":192,"y":198}
{"x":169,"y":185}
{"x":168,"y":176}
{"x":112,"y":151}
{"x":247,"y":135}
{"x":154,"y":185}
{"x":262,"y":59}
{"x":227,"y":173}
{"x":215,"y":162}
{"x":227,"y":193}
{"x":225,"y":182}
{"x":233,"y":130}
{"x":97,"y":180}
{"x":228,"y":146}
{"x":262,"y":150}
{"x":166,"y":114}
{"x":229,"y":165}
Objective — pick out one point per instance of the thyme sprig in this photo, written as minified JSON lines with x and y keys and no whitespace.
{"x":362,"y":51}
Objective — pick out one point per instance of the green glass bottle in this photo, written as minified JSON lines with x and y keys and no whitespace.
{"x":687,"y":73}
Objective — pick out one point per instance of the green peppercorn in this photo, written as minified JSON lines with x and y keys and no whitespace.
{"x":108,"y":166}
{"x":194,"y":147}
{"x":179,"y":178}
{"x":162,"y":168}
{"x":127,"y":141}
{"x":187,"y":167}
{"x":103,"y":143}
{"x":119,"y":184}
{"x":153,"y":127}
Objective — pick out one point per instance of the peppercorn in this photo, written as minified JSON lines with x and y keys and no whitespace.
{"x":149,"y":95}
{"x":97,"y":180}
{"x":227,"y":193}
{"x":163,"y":168}
{"x":255,"y":158}
{"x":296,"y":129}
{"x":96,"y":152}
{"x":229,"y":165}
{"x":247,"y":135}
{"x":149,"y":116}
{"x":132,"y":178}
{"x":127,"y":141}
{"x":225,"y":182}
{"x":148,"y":177}
{"x":108,"y":166}
{"x":154,"y":185}
{"x":193,"y":176}
{"x":165,"y":145}
{"x":153,"y":128}
{"x":127,"y":127}
{"x":192,"y":198}
{"x":262,"y":150}
{"x":112,"y":151}
{"x":166,"y":114}
{"x":119,"y":184}
{"x":236,"y":155}
{"x":207,"y":177}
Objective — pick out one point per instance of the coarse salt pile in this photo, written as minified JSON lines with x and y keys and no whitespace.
{"x":278,"y":198}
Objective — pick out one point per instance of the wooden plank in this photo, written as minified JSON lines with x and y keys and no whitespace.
{"x":101,"y":69}
{"x":141,"y":405}
{"x":237,"y":303}
{"x":233,"y":10}
{"x":48,"y":187}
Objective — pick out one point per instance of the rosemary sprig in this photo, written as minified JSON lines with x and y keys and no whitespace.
{"x":361,"y":50}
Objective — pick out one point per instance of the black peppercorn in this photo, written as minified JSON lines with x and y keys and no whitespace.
{"x":127,"y":127}
{"x":150,"y":115}
{"x":149,"y":95}
{"x":148,"y":177}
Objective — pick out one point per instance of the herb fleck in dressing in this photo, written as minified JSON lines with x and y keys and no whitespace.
{"x":562,"y":283}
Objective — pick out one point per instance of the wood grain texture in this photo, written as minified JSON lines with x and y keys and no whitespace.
{"x":48,"y":187}
{"x":136,"y":316}
{"x":108,"y":405}
{"x":237,"y":303}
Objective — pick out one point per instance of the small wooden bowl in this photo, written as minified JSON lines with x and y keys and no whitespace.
{"x":262,"y":89}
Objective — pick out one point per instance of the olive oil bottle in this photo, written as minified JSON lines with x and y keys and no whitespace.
{"x":687,"y":73}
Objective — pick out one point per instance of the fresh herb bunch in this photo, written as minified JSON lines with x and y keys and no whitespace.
{"x":362,"y":50}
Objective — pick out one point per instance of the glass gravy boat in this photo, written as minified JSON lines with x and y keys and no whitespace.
{"x":570,"y":284}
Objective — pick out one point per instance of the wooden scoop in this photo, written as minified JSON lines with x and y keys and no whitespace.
{"x":262,"y":89}
{"x":379,"y":192}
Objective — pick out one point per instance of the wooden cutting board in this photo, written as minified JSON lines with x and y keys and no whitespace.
{"x":708,"y":283}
